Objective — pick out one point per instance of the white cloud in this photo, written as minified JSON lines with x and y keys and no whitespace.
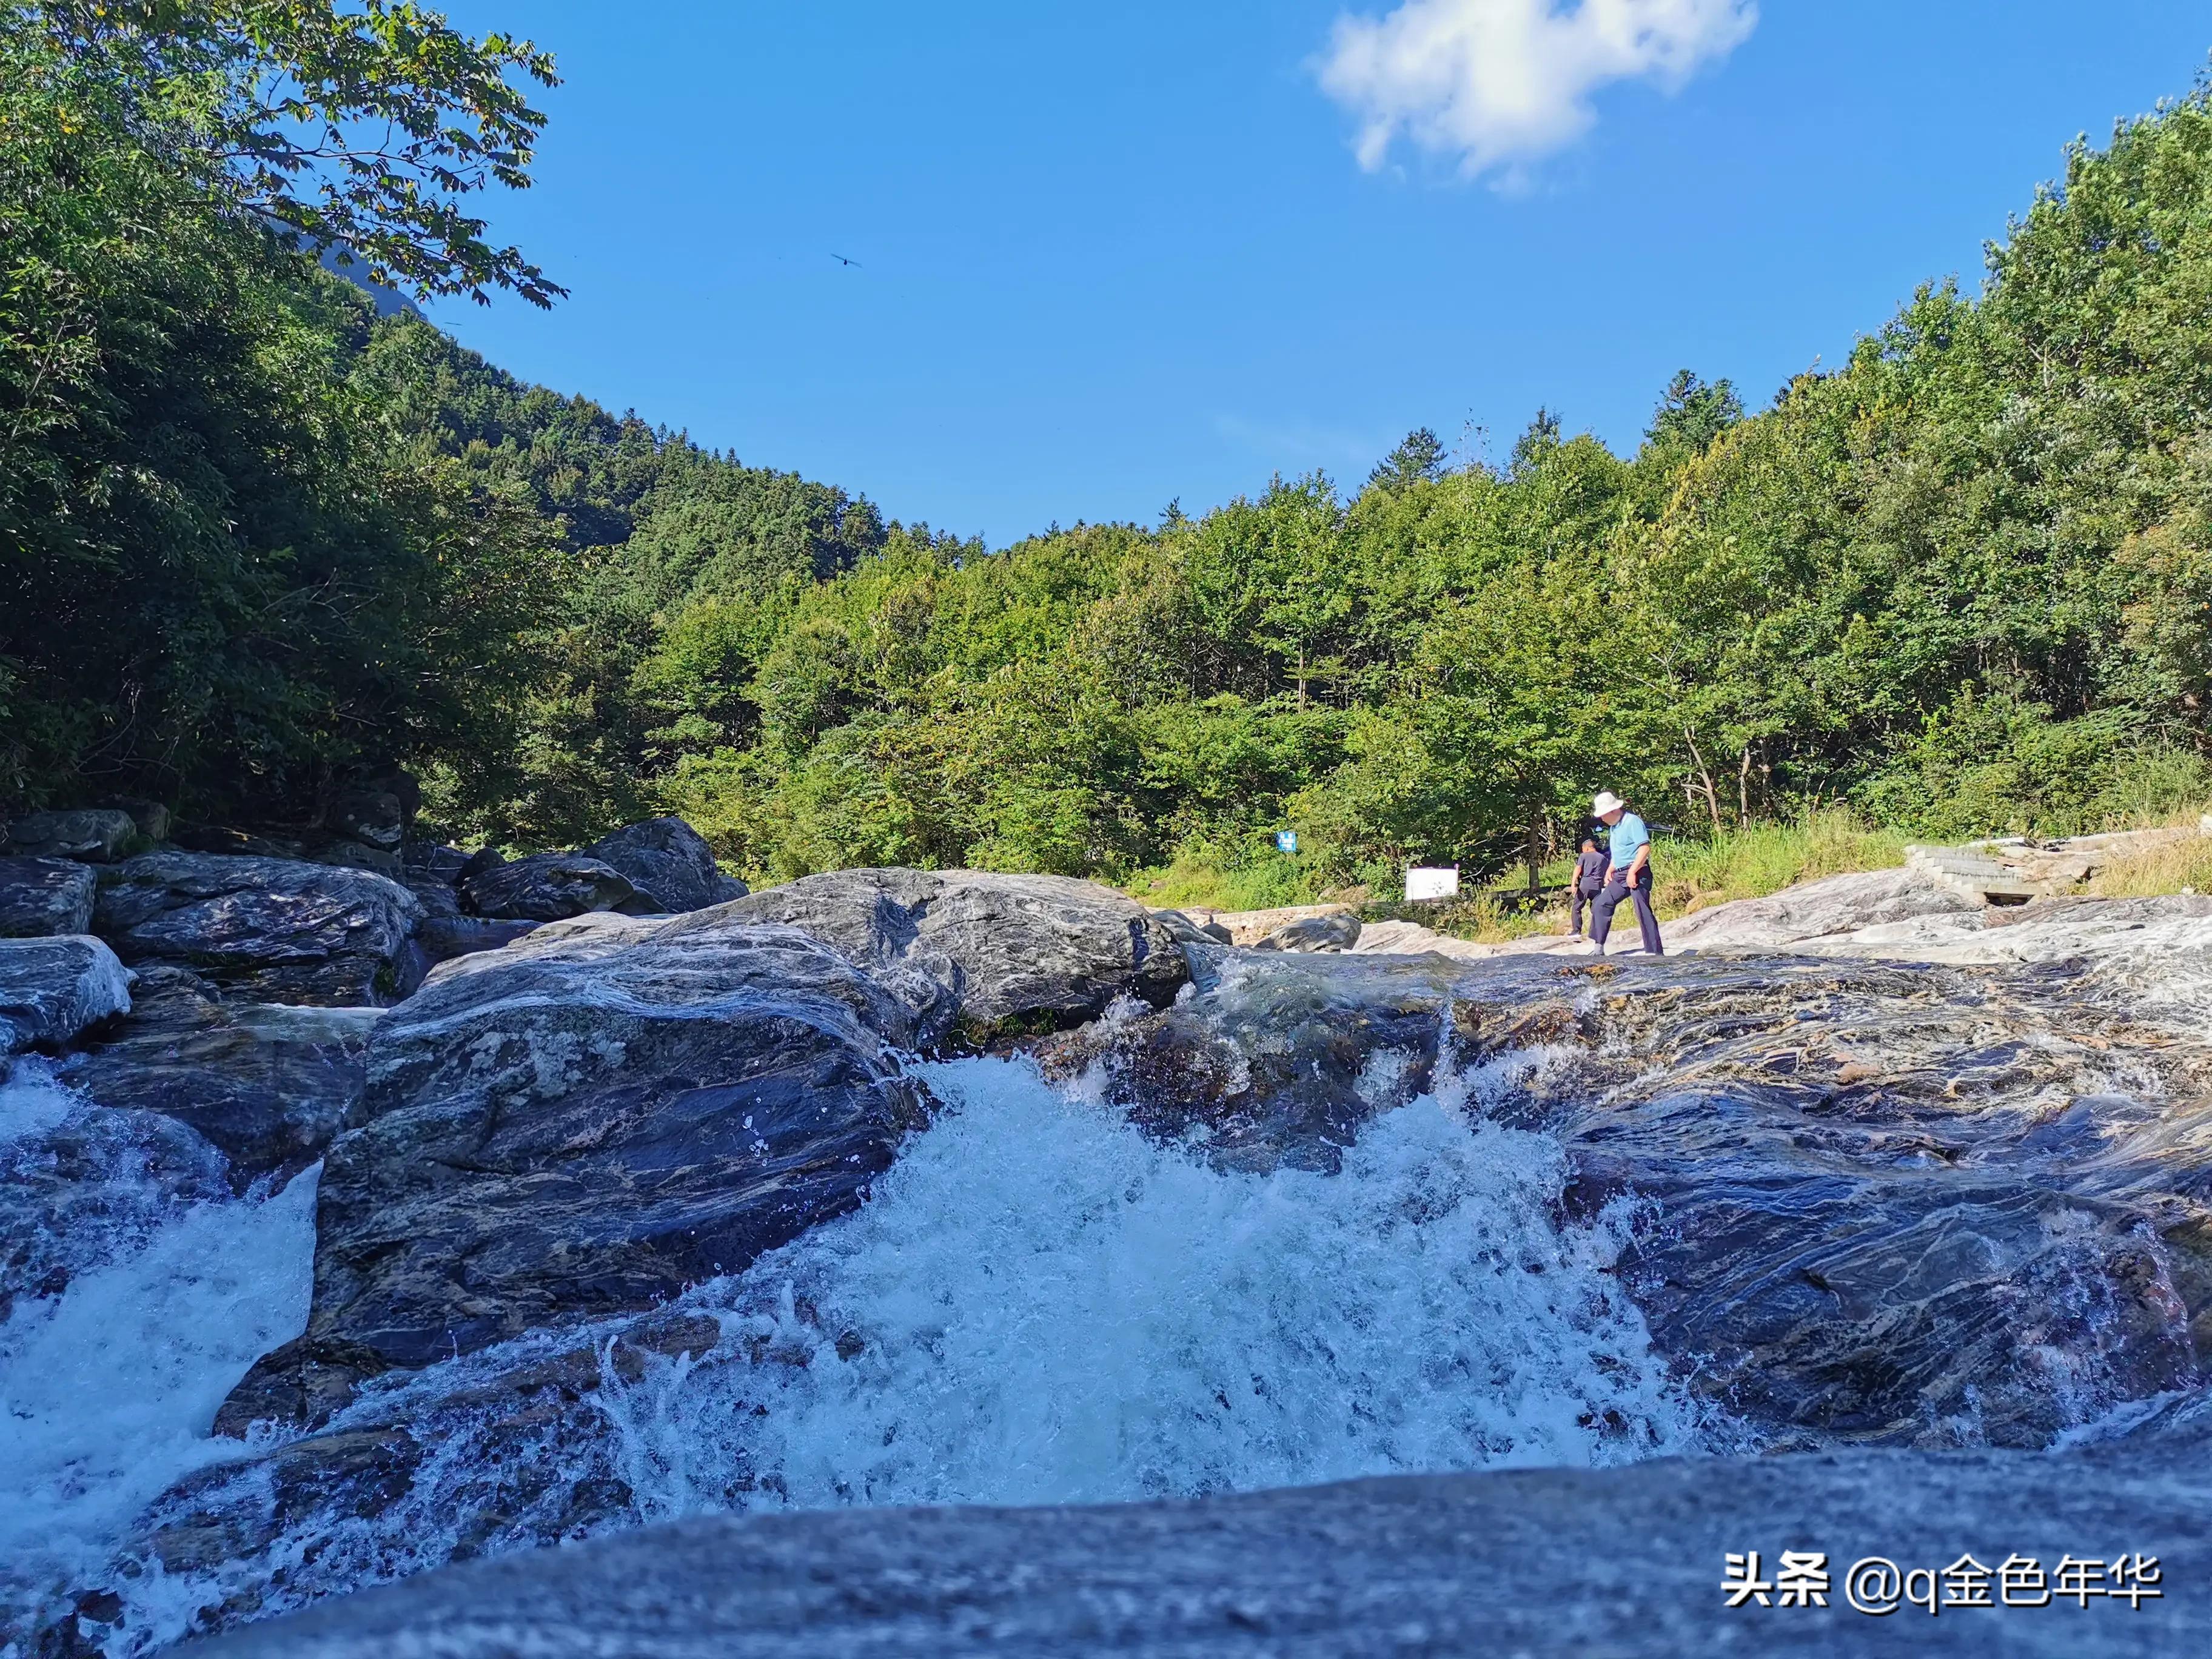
{"x":1499,"y":83}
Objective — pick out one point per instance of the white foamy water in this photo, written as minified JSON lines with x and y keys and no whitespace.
{"x":1039,"y":1304}
{"x":108,"y":1391}
{"x":1043,"y":1306}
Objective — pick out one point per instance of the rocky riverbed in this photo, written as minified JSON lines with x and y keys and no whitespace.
{"x":360,"y":1223}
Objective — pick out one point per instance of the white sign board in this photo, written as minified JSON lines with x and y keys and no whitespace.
{"x":1432,"y":884}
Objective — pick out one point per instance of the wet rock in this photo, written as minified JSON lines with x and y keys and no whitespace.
{"x":273,"y":930}
{"x":670,"y":863}
{"x":270,"y":1086}
{"x":587,"y":1128}
{"x":41,"y":897}
{"x":82,"y":1184}
{"x":1816,"y":909}
{"x":1315,"y":934}
{"x":94,"y":834}
{"x":549,"y":887}
{"x":1880,"y":1203}
{"x":1188,"y":931}
{"x":53,"y":990}
{"x":1015,"y":954}
{"x":1622,"y":1562}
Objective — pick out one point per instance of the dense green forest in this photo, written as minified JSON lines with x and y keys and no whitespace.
{"x":258,"y":539}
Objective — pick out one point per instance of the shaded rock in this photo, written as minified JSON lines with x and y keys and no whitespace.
{"x":1624,"y":1562}
{"x":346,"y":854}
{"x":1337,"y":933}
{"x":96,"y":834}
{"x":230,"y":842}
{"x":40,"y":898}
{"x":269,"y":1086}
{"x":152,"y":817}
{"x":276,"y":930}
{"x":1838,"y":904}
{"x":583,"y":1129}
{"x":547,"y":887}
{"x":669,"y":863}
{"x":1015,"y":954}
{"x":53,"y":990}
{"x":372,"y":817}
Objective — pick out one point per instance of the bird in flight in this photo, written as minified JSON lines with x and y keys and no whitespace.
{"x":842,"y":260}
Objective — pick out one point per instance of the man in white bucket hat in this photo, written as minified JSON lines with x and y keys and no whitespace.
{"x":1628,"y":874}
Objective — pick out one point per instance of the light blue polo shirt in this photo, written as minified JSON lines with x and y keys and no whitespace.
{"x":1627,"y":836}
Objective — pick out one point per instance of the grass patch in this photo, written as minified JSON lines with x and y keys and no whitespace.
{"x":1695,"y":875}
{"x":1207,"y":875}
{"x":2180,"y":866}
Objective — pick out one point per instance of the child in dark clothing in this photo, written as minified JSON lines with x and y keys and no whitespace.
{"x":1589,"y":883}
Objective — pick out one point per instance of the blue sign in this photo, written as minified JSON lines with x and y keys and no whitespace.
{"x":1286,"y":840}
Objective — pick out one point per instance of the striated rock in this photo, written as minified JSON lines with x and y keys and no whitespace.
{"x":1623,"y":1562}
{"x":62,"y":1208}
{"x":1880,"y":1203}
{"x":274,"y":930}
{"x":96,"y":834}
{"x":586,"y":1128}
{"x":549,"y":887}
{"x":269,"y":1086}
{"x":373,"y":817}
{"x":1016,"y":954}
{"x":1313,"y":933}
{"x":41,"y":897}
{"x":53,"y":990}
{"x":1189,"y":931}
{"x":1818,"y":909}
{"x":669,"y":863}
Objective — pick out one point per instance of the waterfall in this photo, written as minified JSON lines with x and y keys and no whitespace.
{"x":1038,"y":1304}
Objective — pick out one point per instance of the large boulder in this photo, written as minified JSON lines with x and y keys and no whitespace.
{"x":1820,"y":909}
{"x":670,"y":863}
{"x":1882,"y":1203}
{"x":268,"y":1085}
{"x":53,"y":990}
{"x":549,"y":887}
{"x":40,"y":898}
{"x":582,"y":1128}
{"x":1015,"y":953}
{"x":1548,"y":1563}
{"x":97,"y":835}
{"x":1313,"y":933}
{"x":272,"y":930}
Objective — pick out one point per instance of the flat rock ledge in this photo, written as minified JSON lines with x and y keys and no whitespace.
{"x":1624,"y":1562}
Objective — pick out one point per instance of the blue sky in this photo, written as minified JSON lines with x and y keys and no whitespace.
{"x":1111,"y":256}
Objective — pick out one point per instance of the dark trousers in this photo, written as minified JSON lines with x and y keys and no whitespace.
{"x":1609,"y":901}
{"x":1583,"y":895}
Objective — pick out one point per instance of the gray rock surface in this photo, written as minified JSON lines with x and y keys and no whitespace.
{"x":52,"y":990}
{"x":269,"y":1086}
{"x":96,"y":835}
{"x":1015,"y":953}
{"x":670,"y":863}
{"x":273,"y":930}
{"x":574,"y":1132}
{"x":40,"y":898}
{"x":1313,"y":933}
{"x":1815,"y":910}
{"x":1620,"y":1562}
{"x":1905,"y":1205}
{"x":550,"y":887}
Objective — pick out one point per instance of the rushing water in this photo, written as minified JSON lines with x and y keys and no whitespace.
{"x":1039,"y":1304}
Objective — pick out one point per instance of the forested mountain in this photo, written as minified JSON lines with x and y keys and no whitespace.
{"x":257,"y":538}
